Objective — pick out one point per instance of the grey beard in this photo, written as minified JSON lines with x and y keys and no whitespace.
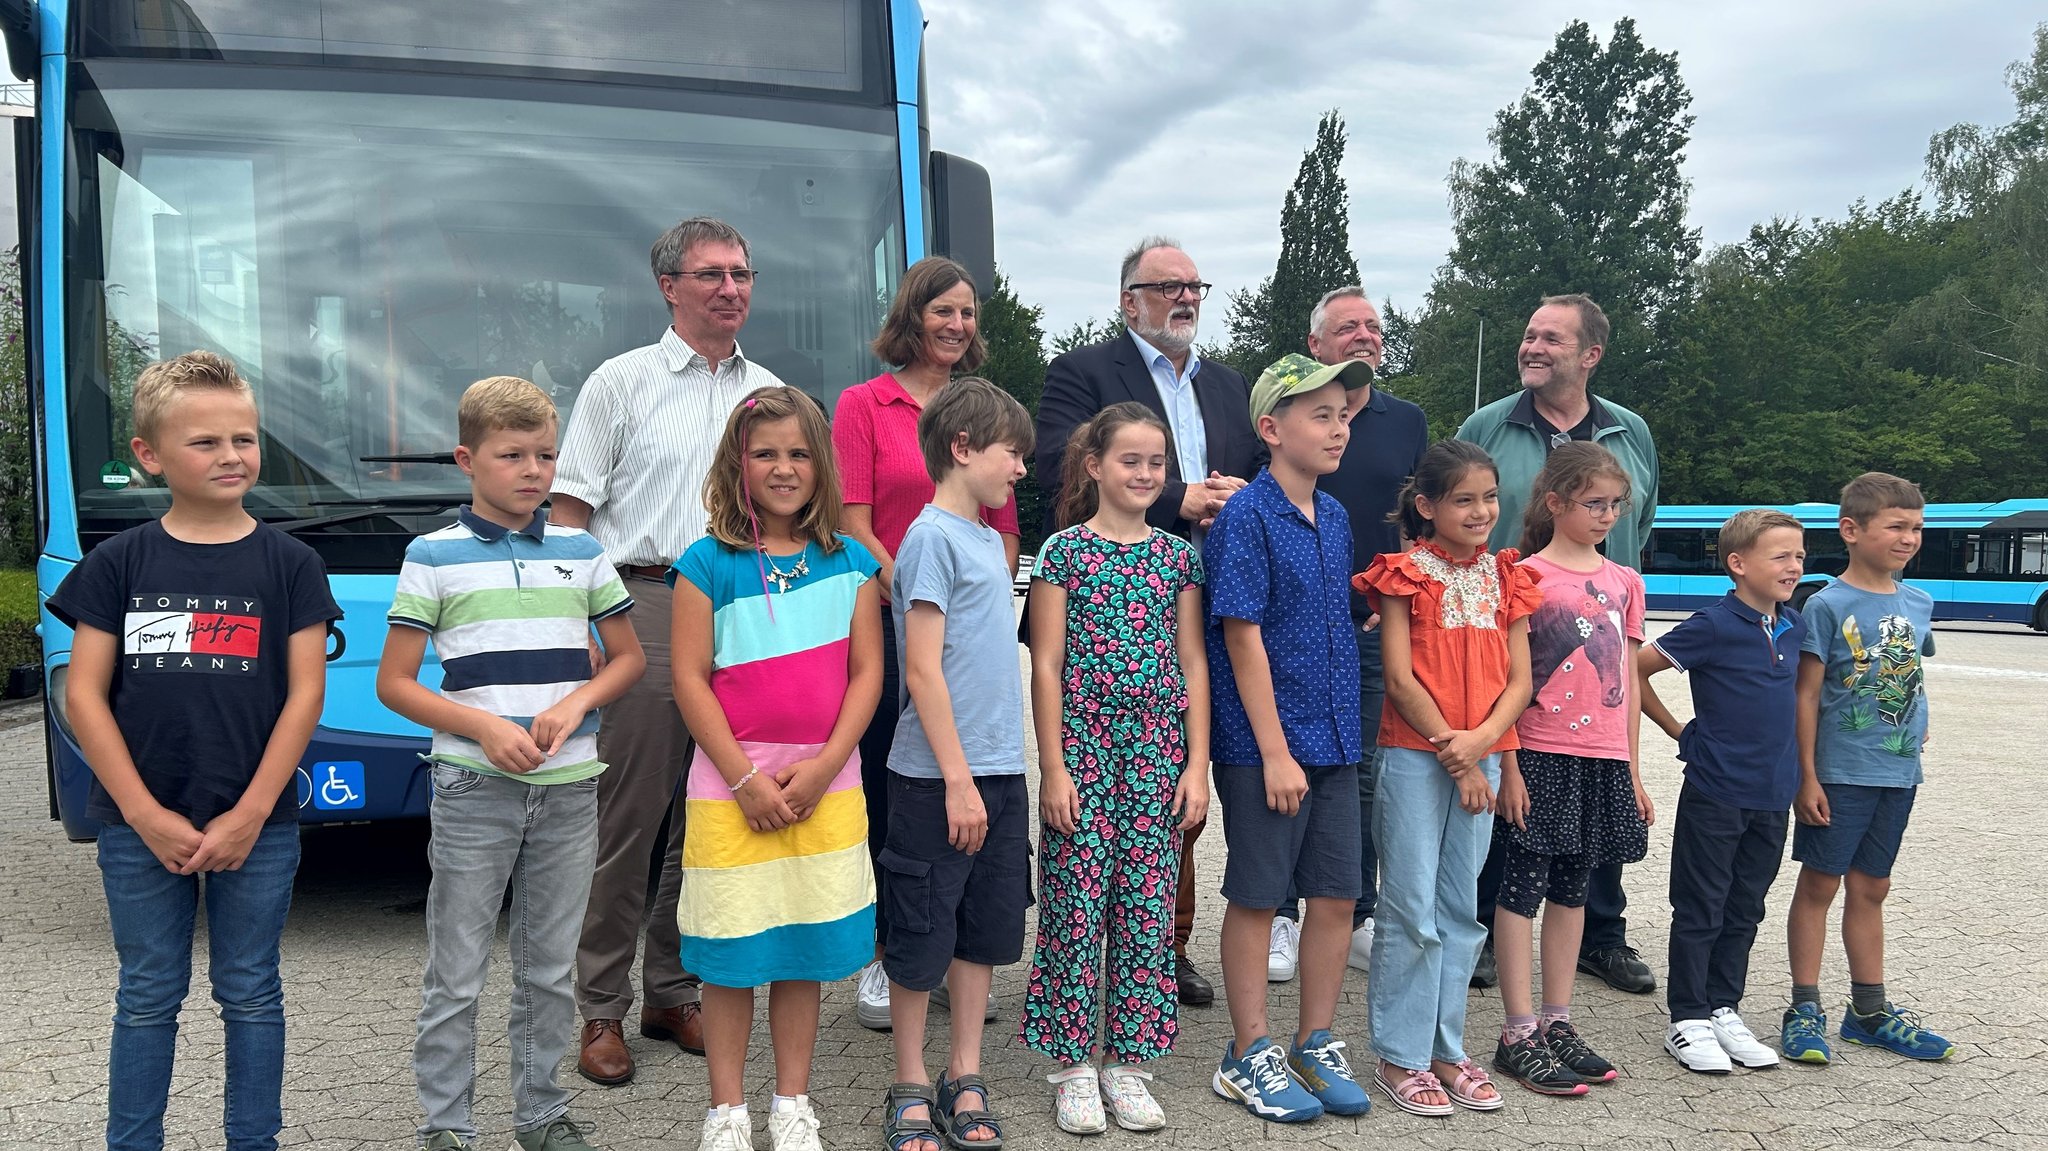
{"x":1165,"y":339}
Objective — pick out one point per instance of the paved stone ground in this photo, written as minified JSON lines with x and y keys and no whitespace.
{"x":1968,"y":928}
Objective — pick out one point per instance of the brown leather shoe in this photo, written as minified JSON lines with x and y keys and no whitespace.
{"x":683,"y":1026}
{"x":605,"y":1060}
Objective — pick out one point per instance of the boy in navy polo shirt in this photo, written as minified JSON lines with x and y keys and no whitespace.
{"x":1741,"y":773}
{"x":1284,"y":667}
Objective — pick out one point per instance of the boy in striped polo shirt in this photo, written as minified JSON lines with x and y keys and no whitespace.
{"x":509,"y":600}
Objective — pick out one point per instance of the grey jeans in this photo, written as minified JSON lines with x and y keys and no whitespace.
{"x":489,"y":832}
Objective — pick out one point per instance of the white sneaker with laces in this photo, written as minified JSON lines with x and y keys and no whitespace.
{"x":871,"y":998}
{"x":793,"y":1125}
{"x":1077,"y":1105}
{"x":728,"y":1128}
{"x":1692,"y":1043}
{"x":1361,"y":947}
{"x":1123,"y":1088}
{"x":1283,"y":949}
{"x":942,"y":997}
{"x":1739,"y":1042}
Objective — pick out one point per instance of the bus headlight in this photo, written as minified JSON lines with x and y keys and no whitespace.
{"x":59,"y":705}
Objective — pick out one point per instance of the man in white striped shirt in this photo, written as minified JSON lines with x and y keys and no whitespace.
{"x":632,"y":471}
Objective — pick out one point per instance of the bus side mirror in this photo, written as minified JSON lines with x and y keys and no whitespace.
{"x":963,"y":217}
{"x":18,"y":28}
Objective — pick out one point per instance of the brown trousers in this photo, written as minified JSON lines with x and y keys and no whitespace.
{"x":1184,"y":898}
{"x":648,"y":749}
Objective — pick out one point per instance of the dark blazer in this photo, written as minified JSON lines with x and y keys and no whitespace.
{"x":1086,"y":380}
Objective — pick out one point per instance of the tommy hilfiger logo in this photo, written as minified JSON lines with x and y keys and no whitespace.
{"x":183,"y":632}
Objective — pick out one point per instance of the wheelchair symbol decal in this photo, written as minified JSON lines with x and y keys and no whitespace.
{"x":338,"y":785}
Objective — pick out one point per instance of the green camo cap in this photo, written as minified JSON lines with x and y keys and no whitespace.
{"x":1294,"y":373}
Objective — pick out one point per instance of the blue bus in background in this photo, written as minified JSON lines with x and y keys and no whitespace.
{"x":368,"y":204}
{"x":1986,"y":562}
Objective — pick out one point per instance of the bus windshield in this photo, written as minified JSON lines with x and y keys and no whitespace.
{"x":365,"y":252}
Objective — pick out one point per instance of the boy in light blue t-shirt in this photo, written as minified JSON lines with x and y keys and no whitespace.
{"x":1862,"y":720}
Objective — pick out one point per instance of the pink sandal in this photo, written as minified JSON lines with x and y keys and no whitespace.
{"x":1403,"y":1094}
{"x":1464,"y":1089}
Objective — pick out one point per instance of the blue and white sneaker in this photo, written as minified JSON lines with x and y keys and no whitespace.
{"x":1804,"y":1035}
{"x":1896,"y":1031}
{"x":1320,"y":1065}
{"x":1259,"y":1080}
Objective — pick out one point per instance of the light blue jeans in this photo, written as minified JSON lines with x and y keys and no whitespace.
{"x":490,"y":831}
{"x":152,"y":912}
{"x":1428,"y":938}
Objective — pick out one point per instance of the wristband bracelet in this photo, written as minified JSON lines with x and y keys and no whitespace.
{"x":743,"y":780}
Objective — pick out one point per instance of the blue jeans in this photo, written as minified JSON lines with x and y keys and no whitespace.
{"x":152,"y":911}
{"x":1428,"y":938}
{"x":1372,"y":694}
{"x":489,"y":831}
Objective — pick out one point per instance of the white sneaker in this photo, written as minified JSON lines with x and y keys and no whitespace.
{"x":1077,"y":1106}
{"x":1123,"y":1088}
{"x":727,"y":1129}
{"x":1361,"y":946}
{"x":1738,"y":1042}
{"x":871,"y":999}
{"x":1283,"y":949}
{"x":1692,"y":1043}
{"x":942,"y":997}
{"x":793,"y":1125}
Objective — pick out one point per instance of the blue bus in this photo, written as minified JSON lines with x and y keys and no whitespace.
{"x":1985,"y":562}
{"x":368,"y":204}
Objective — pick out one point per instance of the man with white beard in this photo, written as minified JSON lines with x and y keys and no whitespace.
{"x":1212,"y":453}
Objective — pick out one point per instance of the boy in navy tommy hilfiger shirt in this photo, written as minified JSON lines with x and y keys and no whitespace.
{"x":1741,"y":773}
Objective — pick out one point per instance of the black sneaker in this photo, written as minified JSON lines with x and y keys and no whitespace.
{"x":1486,"y":973}
{"x":1530,"y":1062}
{"x":1195,"y":990}
{"x":1572,"y":1051}
{"x":1621,"y":968}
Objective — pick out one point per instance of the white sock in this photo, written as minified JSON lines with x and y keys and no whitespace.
{"x":786,"y":1102}
{"x":737,"y":1109}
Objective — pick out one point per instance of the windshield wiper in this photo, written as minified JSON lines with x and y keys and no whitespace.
{"x":369,"y":508}
{"x":414,"y":458}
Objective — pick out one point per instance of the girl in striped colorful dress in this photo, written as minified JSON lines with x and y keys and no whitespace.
{"x":777,"y":657}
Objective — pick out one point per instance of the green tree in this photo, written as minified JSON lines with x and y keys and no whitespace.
{"x":1082,"y":333}
{"x":1271,"y":320}
{"x":17,"y":425}
{"x":1015,"y":335}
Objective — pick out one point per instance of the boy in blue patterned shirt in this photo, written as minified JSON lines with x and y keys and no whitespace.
{"x":509,"y":600}
{"x":1862,"y":723}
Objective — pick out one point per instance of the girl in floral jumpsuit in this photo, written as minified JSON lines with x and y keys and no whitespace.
{"x":1120,"y":699}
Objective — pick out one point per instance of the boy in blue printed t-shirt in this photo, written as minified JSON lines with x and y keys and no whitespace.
{"x":1283,"y":662}
{"x":1862,"y":723}
{"x":508,"y":600}
{"x":1741,"y":758}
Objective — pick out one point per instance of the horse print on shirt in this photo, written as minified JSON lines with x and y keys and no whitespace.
{"x":1578,"y":627}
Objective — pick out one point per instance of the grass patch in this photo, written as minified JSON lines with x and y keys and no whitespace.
{"x":18,"y":615}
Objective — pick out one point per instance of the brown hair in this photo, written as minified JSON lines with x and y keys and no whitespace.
{"x":900,"y":343}
{"x":1078,"y":495}
{"x":501,"y":403}
{"x":1442,"y":466}
{"x":977,"y":409}
{"x":1566,"y":473}
{"x":673,"y":246}
{"x":1746,"y":527}
{"x":725,"y":496}
{"x":1873,"y":492}
{"x":1593,"y":325}
{"x":161,"y":383}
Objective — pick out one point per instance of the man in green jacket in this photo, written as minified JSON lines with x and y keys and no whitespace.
{"x":1560,"y":348}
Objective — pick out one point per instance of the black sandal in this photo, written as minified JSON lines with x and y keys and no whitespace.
{"x":955,"y":1122}
{"x":899,"y":1132}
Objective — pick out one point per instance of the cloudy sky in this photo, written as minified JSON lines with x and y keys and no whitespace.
{"x":1102,"y":121}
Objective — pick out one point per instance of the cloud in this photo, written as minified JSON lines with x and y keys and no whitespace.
{"x":1102,"y":122}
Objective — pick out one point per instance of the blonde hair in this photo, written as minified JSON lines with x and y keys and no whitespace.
{"x":725,"y":496}
{"x":162,"y":383}
{"x":1873,"y":492}
{"x":1746,"y":527}
{"x":501,"y":403}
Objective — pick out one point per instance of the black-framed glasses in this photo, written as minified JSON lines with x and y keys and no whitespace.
{"x":714,"y":277}
{"x":1602,"y":508}
{"x":1175,"y":289}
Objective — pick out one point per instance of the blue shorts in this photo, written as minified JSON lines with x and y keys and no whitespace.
{"x":942,"y":903}
{"x":1865,"y":827}
{"x":1272,"y":858}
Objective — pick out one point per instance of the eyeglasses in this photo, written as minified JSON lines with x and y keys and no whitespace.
{"x":1175,"y":289}
{"x":714,"y":277}
{"x":1601,"y":509}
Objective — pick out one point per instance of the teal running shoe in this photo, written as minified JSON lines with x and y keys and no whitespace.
{"x":1320,"y":1066}
{"x":1805,"y":1034}
{"x":1896,"y":1031}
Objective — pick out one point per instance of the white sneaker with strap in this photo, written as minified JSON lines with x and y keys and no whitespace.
{"x":793,"y":1125}
{"x":1123,"y":1088}
{"x":728,"y":1128}
{"x":1077,"y":1106}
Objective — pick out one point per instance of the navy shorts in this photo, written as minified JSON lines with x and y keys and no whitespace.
{"x":1312,"y":854}
{"x":943,"y":904}
{"x":1865,"y":827}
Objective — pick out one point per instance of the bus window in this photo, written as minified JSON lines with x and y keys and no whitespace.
{"x":1684,"y":551}
{"x":1980,"y":555}
{"x":2033,"y":553}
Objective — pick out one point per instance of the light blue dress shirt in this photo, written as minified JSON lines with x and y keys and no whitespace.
{"x":1183,"y":414}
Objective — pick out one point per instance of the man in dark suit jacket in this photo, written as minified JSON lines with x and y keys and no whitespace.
{"x":1212,"y":453}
